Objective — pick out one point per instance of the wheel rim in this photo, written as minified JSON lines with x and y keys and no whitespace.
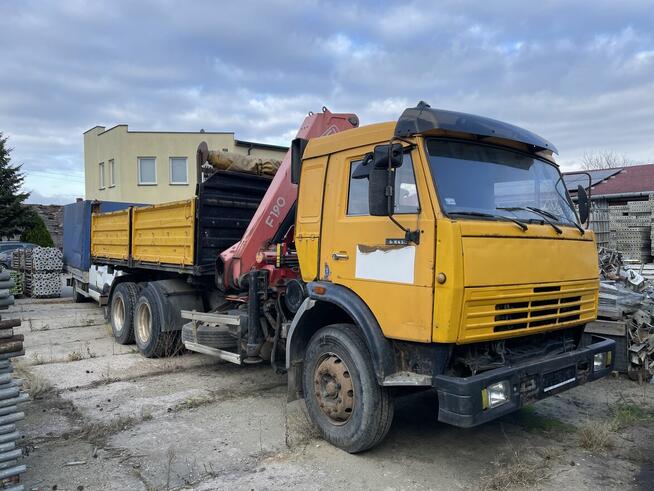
{"x":144,"y":322}
{"x":333,"y":389}
{"x":118,"y":313}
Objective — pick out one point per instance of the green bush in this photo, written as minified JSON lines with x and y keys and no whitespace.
{"x":36,"y":232}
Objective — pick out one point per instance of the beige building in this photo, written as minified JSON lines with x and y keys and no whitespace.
{"x":151,"y":166}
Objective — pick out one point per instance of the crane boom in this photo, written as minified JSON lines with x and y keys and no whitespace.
{"x":278,"y":202}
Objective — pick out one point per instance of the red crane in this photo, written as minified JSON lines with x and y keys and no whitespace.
{"x":276,"y":210}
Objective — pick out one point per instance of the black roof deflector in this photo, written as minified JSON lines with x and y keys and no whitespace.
{"x":415,"y":120}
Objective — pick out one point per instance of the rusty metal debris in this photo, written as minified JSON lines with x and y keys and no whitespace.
{"x":626,"y":314}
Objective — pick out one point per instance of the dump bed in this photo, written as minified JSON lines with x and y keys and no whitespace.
{"x":183,"y":236}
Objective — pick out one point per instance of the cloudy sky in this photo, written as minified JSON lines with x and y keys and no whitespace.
{"x":581,"y":74}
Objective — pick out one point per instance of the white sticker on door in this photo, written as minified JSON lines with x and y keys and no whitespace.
{"x":385,"y":263}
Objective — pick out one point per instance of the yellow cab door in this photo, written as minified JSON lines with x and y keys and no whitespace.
{"x":362,"y":252}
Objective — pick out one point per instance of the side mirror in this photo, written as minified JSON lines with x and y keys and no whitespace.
{"x":381,"y":179}
{"x":584,"y":204}
{"x":381,"y":157}
{"x":297,"y":151}
{"x":380,"y":203}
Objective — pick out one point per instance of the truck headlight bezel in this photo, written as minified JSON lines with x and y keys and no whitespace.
{"x":601,"y":360}
{"x":496,"y":394}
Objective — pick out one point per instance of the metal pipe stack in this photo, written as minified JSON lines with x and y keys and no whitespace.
{"x":11,"y":395}
{"x":42,"y":268}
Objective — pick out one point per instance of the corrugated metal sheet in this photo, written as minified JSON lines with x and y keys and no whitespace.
{"x":634,"y":179}
{"x":572,"y":181}
{"x":164,"y":234}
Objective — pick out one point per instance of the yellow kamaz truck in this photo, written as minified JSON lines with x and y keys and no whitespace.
{"x":438,"y":252}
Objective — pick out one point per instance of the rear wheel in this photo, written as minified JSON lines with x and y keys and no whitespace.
{"x":345,"y":402}
{"x":150,"y":340}
{"x":121,"y":312}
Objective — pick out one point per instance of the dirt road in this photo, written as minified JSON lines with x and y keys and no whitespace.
{"x":104,"y":417}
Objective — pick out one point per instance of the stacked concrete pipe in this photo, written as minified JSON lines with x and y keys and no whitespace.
{"x":11,"y":395}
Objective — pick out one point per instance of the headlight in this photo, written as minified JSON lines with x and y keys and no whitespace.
{"x":601,"y":360}
{"x":496,"y":394}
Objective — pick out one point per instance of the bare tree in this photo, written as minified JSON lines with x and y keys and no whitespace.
{"x":604,"y":159}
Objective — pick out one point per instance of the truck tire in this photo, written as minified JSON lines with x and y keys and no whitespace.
{"x":4,"y":276}
{"x":121,"y":312}
{"x":150,"y":340}
{"x":210,"y":336}
{"x":344,"y":401}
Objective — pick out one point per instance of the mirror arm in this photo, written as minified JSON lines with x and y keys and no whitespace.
{"x":409,"y":235}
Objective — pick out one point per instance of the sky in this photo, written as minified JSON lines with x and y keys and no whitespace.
{"x":580,"y":74}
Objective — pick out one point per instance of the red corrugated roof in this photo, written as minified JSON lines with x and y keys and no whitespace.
{"x":634,"y":179}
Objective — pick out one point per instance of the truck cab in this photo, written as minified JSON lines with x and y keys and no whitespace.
{"x":449,"y":244}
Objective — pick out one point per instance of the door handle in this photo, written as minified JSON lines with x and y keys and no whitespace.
{"x":340,"y":256}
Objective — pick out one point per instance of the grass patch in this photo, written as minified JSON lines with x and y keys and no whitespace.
{"x":35,"y":384}
{"x":628,"y":414}
{"x":197,"y":401}
{"x":146,"y":414}
{"x":595,"y":436}
{"x":530,"y":420}
{"x":37,"y":359}
{"x":519,"y":472}
{"x":98,"y":432}
{"x":79,"y":355}
{"x":75,"y":356}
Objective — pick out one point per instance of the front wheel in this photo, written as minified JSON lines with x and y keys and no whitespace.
{"x":345,"y":402}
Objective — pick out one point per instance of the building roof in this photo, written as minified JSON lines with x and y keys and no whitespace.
{"x":635,"y":179}
{"x":572,"y":180}
{"x":122,"y":125}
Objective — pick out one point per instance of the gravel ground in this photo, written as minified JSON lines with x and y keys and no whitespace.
{"x":104,"y":417}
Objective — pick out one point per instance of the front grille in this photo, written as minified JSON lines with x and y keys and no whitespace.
{"x":538,"y":313}
{"x":495,"y":311}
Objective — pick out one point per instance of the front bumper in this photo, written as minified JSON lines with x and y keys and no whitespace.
{"x":460,"y":401}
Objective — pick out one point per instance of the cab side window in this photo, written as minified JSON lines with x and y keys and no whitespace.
{"x":406,"y":191}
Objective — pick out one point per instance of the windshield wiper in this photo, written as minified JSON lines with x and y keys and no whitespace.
{"x":523,"y":226}
{"x":537,"y":212}
{"x":556,"y":217}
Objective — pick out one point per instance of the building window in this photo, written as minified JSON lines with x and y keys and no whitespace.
{"x":112,"y":173}
{"x":101,"y":175}
{"x":147,"y":171}
{"x":178,"y":170}
{"x":406,"y":192}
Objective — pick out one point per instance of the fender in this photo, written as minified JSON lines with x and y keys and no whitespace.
{"x":337,"y":299}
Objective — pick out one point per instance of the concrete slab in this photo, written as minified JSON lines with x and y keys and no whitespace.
{"x":204,"y":438}
{"x":102,"y":370}
{"x":72,"y":344}
{"x":190,"y":422}
{"x":70,"y":465}
{"x":157,"y":395}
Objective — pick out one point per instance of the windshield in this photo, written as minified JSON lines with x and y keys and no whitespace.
{"x":474,"y":178}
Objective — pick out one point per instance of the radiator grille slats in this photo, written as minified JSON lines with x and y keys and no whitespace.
{"x":541,"y":307}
